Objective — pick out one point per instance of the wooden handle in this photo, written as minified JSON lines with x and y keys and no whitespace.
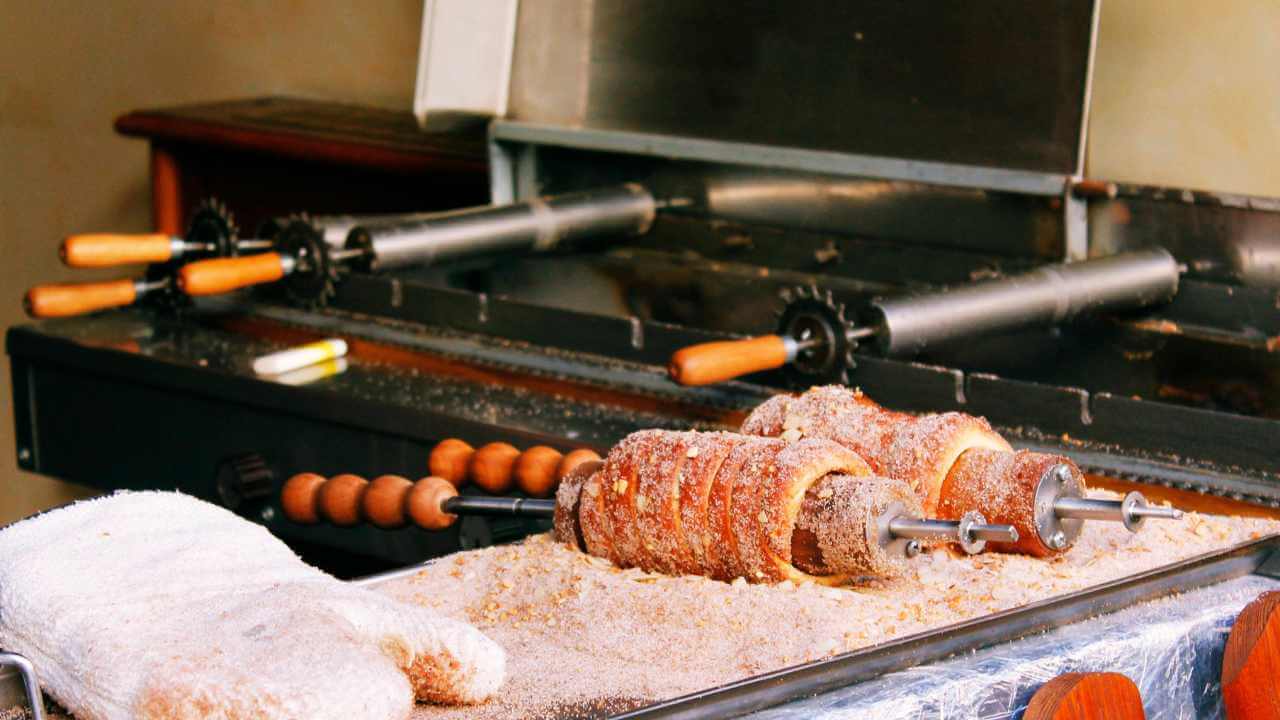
{"x":107,"y":249}
{"x":1251,"y":662}
{"x":45,"y":301}
{"x":715,"y":362}
{"x":390,"y":501}
{"x":498,"y":466}
{"x":221,"y":275}
{"x":1086,"y":696}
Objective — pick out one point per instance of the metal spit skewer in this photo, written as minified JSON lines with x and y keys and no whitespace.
{"x":971,"y":532}
{"x":438,"y":505}
{"x":1061,"y":508}
{"x":1132,"y":510}
{"x":816,"y":340}
{"x":538,"y":225}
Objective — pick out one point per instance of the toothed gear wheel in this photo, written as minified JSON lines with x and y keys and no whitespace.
{"x":809,"y":313}
{"x":211,"y":223}
{"x":313,"y":282}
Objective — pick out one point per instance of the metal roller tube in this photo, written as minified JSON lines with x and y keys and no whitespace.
{"x":534,"y":225}
{"x":1045,"y":296}
{"x":336,"y":228}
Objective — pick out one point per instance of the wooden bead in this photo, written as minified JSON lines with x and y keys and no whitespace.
{"x":492,"y":467}
{"x":383,"y":502}
{"x":1251,"y":662}
{"x":298,"y":498}
{"x":573,"y":459}
{"x":450,"y":459}
{"x":1086,"y":696}
{"x":340,"y":499}
{"x":535,"y":470}
{"x":424,"y":500}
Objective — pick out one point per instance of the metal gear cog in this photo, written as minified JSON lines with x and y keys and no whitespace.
{"x":211,"y":224}
{"x":811,"y":313}
{"x":313,"y":282}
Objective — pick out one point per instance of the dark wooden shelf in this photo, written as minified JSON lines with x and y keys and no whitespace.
{"x":272,"y":156}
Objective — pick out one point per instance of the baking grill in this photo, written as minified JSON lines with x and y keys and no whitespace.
{"x":816,"y":160}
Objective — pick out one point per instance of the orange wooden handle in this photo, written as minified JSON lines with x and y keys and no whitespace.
{"x":1086,"y":696}
{"x":715,"y":362}
{"x":1251,"y":662}
{"x":45,"y":301}
{"x":220,"y":275}
{"x":107,"y":249}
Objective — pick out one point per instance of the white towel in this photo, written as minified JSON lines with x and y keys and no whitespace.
{"x":157,"y":605}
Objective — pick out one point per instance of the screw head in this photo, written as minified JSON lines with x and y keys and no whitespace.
{"x":912,"y":549}
{"x":268,"y":514}
{"x":1058,"y":540}
{"x":24,"y":454}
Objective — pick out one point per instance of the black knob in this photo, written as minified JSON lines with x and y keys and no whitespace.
{"x":244,"y":478}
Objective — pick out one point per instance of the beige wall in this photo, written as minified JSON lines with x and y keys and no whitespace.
{"x":1186,"y":93}
{"x":69,"y":67}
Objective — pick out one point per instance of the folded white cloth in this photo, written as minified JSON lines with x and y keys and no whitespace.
{"x":158,"y":605}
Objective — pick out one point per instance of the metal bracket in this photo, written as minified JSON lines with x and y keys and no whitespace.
{"x":1075,"y":226}
{"x":30,"y":685}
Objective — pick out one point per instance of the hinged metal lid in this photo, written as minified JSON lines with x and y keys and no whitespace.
{"x":1001,"y":83}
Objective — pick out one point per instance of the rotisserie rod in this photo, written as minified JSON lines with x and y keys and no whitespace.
{"x":816,"y":341}
{"x":212,"y":232}
{"x":956,"y":463}
{"x":715,"y":504}
{"x":532,"y":226}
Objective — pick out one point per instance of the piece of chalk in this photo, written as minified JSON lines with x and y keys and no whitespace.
{"x":300,"y":357}
{"x":312,"y":373}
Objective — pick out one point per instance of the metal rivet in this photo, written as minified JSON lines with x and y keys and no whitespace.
{"x":24,"y":454}
{"x":1058,"y":541}
{"x":912,"y":549}
{"x":268,"y":514}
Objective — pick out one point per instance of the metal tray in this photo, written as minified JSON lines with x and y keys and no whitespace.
{"x":1261,"y":557}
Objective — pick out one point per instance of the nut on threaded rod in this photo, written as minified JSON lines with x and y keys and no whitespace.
{"x":971,"y":532}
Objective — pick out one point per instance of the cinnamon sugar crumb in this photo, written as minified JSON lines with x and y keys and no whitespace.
{"x":585,"y":638}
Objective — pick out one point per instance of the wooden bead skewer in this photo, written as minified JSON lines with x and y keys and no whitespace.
{"x":498,"y":467}
{"x":493,"y":467}
{"x":392,"y":501}
{"x":450,"y":460}
{"x":573,"y":459}
{"x":298,"y":498}
{"x":340,"y":499}
{"x":383,"y":502}
{"x":1251,"y":662}
{"x":433,"y":503}
{"x":535,"y":470}
{"x":1087,"y":696}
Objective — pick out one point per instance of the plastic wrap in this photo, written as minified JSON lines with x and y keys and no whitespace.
{"x":1172,"y":648}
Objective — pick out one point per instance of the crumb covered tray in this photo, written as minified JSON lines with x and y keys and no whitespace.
{"x":585,"y":639}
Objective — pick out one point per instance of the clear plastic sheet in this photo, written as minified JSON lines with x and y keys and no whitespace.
{"x":1172,"y":648}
